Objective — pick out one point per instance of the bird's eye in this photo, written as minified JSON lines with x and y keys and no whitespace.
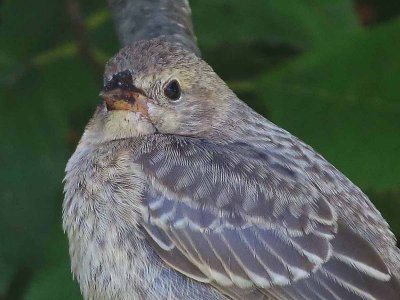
{"x":173,"y":90}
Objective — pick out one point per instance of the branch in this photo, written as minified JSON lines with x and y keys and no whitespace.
{"x":146,"y":19}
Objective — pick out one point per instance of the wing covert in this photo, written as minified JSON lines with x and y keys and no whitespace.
{"x":252,"y":223}
{"x":241,"y":219}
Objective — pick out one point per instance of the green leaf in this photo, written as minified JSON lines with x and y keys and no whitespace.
{"x":344,"y":100}
{"x":47,"y":94}
{"x":6,"y":275}
{"x":388,"y":204}
{"x":43,"y":110}
{"x":54,"y":279}
{"x":301,"y":24}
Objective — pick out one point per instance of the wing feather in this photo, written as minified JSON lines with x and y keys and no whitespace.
{"x":251,"y":223}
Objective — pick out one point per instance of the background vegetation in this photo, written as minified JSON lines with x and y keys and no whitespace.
{"x":328,"y":71}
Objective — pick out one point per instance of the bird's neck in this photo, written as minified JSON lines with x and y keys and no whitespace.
{"x":240,"y":123}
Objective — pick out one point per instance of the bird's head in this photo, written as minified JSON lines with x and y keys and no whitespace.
{"x":155,"y":86}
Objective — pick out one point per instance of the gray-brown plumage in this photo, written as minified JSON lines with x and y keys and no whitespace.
{"x":178,"y":190}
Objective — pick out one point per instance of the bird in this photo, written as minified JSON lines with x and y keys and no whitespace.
{"x":179,"y":190}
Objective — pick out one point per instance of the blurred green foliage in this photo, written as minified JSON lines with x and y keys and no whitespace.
{"x":309,"y":66}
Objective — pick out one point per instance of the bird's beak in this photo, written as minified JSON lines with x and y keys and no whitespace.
{"x":130,"y":100}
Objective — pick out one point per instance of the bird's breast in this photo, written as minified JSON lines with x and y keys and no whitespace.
{"x":110,"y":255}
{"x":100,"y":216}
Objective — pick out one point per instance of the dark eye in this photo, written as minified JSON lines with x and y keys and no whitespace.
{"x":173,"y":90}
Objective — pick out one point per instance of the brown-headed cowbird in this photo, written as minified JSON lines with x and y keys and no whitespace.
{"x":179,"y":190}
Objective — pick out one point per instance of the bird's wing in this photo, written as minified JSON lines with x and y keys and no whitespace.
{"x":242,"y":219}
